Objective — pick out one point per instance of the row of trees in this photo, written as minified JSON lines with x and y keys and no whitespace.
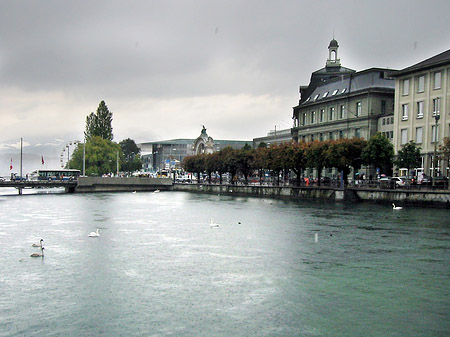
{"x":343,"y":155}
{"x":100,"y":152}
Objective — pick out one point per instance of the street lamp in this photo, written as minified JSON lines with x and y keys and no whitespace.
{"x":436,"y":117}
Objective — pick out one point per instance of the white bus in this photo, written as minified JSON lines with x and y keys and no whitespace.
{"x":64,"y":174}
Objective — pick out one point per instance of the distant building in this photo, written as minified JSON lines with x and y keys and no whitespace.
{"x":422,"y":106}
{"x":274,"y":137}
{"x":170,"y":153}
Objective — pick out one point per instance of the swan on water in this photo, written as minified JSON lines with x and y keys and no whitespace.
{"x":37,"y":254}
{"x":212,"y":224}
{"x":156,"y":191}
{"x":396,"y":207}
{"x":94,"y":234}
{"x":38,"y":244}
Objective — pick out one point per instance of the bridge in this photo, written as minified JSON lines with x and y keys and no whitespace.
{"x":95,"y":184}
{"x":69,"y":185}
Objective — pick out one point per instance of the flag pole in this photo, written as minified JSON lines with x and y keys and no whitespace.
{"x":21,"y":140}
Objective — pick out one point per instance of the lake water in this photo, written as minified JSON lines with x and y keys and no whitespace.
{"x":159,"y":269}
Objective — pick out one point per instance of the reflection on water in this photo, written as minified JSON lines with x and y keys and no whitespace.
{"x":158,"y":268}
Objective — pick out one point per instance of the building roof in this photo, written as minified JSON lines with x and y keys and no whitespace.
{"x":191,"y":142}
{"x":435,"y":61}
{"x":171,"y":141}
{"x":350,"y":83}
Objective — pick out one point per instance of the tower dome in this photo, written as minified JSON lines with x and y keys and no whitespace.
{"x":333,"y":44}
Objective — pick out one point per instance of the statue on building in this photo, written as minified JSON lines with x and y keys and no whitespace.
{"x":204,"y":143}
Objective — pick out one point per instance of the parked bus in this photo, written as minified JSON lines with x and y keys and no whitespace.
{"x":68,"y":174}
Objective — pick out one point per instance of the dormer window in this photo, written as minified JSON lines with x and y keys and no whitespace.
{"x":316,"y":97}
{"x":343,"y":91}
{"x":325,"y":94}
{"x":334,"y":92}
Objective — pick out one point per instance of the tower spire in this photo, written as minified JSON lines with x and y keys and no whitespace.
{"x":333,"y":60}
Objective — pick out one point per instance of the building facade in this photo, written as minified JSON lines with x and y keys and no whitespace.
{"x":422,"y":107}
{"x":345,"y":104}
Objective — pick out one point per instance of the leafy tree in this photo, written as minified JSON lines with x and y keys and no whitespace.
{"x":274,"y":161}
{"x":444,"y":148}
{"x":230,"y":160}
{"x":379,"y":152}
{"x":99,"y":123}
{"x":262,"y":144}
{"x":286,"y":157}
{"x":244,"y":159}
{"x":298,"y":160}
{"x":260,"y":161}
{"x":210,"y":165}
{"x":220,"y":164}
{"x":316,"y":156}
{"x":346,"y":153}
{"x":101,"y":156}
{"x":195,"y":164}
{"x":408,"y":157}
{"x":131,"y":160}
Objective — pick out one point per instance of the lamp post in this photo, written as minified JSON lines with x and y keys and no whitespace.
{"x":436,"y":117}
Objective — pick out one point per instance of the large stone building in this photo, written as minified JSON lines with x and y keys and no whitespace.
{"x":422,"y":106}
{"x":342,"y":103}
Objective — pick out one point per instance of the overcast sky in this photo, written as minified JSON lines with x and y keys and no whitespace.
{"x":164,"y":68}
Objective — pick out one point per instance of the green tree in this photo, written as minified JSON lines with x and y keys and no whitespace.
{"x":210,"y":165}
{"x":260,"y":161}
{"x":274,"y":161}
{"x":195,"y":164}
{"x":131,"y":160}
{"x":444,"y":148}
{"x":316,"y":156}
{"x":346,"y":153}
{"x":244,"y":159}
{"x":262,"y":144}
{"x":408,"y":157}
{"x":379,"y":153}
{"x":99,"y":123}
{"x":101,"y":156}
{"x":298,"y":160}
{"x":230,"y":160}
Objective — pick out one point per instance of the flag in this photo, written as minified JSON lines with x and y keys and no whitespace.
{"x":42,"y":160}
{"x":10,"y":165}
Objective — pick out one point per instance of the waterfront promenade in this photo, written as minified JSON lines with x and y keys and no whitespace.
{"x":438,"y":198}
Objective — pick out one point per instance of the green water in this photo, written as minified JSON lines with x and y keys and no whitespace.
{"x":159,"y":269}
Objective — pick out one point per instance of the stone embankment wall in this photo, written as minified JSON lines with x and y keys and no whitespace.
{"x":115,"y":184}
{"x":439,"y":198}
{"x":265,"y":191}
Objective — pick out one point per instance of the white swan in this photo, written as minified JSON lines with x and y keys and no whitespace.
{"x":38,"y":244}
{"x":212,"y":224}
{"x":156,"y":191}
{"x":37,"y":254}
{"x":94,"y":234}
{"x":396,"y":207}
